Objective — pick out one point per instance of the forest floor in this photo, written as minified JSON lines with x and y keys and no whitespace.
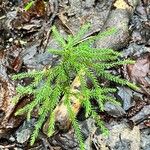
{"x":25,"y":37}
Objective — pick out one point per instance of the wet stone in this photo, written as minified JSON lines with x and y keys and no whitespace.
{"x":114,"y":110}
{"x":126,"y":96}
{"x":24,"y":132}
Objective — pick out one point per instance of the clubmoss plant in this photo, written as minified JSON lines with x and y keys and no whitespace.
{"x":77,"y":58}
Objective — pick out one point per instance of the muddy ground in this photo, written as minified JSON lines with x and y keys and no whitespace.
{"x":25,"y":37}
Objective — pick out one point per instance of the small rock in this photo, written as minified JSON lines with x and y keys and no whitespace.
{"x":23,"y":135}
{"x":88,"y":127}
{"x":12,"y":138}
{"x":126,"y":96}
{"x":24,"y":132}
{"x":114,"y":110}
{"x":10,"y":40}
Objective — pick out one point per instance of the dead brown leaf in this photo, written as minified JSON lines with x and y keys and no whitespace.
{"x":8,"y":120}
{"x":37,"y":10}
{"x":7,"y":92}
{"x":147,"y":122}
{"x":17,"y":63}
{"x":138,"y":71}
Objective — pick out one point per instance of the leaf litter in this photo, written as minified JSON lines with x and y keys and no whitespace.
{"x":23,"y":53}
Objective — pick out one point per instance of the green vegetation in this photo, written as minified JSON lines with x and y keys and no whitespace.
{"x":77,"y":58}
{"x":28,"y":5}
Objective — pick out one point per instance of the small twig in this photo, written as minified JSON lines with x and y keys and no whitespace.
{"x":7,"y":146}
{"x":137,"y":122}
{"x":2,"y":17}
{"x":63,"y":21}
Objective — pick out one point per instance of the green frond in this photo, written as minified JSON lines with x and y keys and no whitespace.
{"x":29,"y":114}
{"x":38,"y":126}
{"x":80,"y":34}
{"x":106,"y":90}
{"x":75,"y":123}
{"x":54,"y":97}
{"x":56,"y":52}
{"x":92,"y":77}
{"x":132,"y":85}
{"x":58,"y":37}
{"x":111,"y":77}
{"x":51,"y":126}
{"x":25,"y":90}
{"x":87,"y":105}
{"x":29,"y":5}
{"x":105,"y":65}
{"x":16,"y":99}
{"x":100,"y":103}
{"x":27,"y":74}
{"x":70,"y":42}
{"x":85,"y":99}
{"x":104,"y":34}
{"x":22,"y":110}
{"x":77,"y":58}
{"x":99,"y":122}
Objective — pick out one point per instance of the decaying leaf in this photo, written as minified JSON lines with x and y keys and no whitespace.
{"x":147,"y":122}
{"x":7,"y":92}
{"x":8,"y":120}
{"x":17,"y":63}
{"x":138,"y":71}
{"x":37,"y":10}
